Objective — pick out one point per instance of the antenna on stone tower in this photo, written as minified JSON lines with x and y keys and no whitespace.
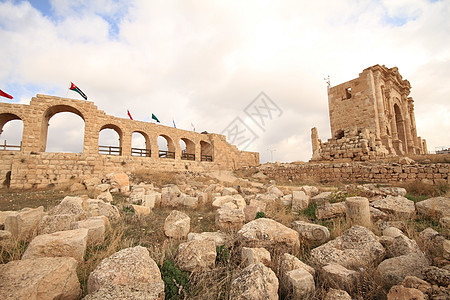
{"x":327,"y":80}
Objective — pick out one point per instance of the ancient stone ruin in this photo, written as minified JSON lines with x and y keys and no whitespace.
{"x":370,"y":117}
{"x":28,"y":165}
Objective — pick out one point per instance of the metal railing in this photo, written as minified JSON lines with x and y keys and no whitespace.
{"x":6,"y":147}
{"x":141,"y":152}
{"x":110,"y":150}
{"x":166,"y":154}
{"x":206,"y":157}
{"x":187,"y":156}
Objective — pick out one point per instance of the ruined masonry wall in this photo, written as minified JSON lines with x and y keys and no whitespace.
{"x":359,"y":172}
{"x":39,"y":170}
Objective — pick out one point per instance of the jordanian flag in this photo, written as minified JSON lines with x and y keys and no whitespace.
{"x":74,"y":88}
{"x":3,"y":94}
{"x":155,"y":118}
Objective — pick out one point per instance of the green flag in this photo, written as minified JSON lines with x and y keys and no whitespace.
{"x":155,"y":118}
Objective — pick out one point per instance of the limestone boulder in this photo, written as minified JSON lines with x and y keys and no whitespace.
{"x":219,"y":238}
{"x":314,"y":234}
{"x":286,"y":200}
{"x":266,"y":198}
{"x":289,"y":262}
{"x":300,"y":283}
{"x":392,"y":232}
{"x":255,"y":282}
{"x":437,"y":207}
{"x":196,"y":255}
{"x":220,"y":201}
{"x":229,"y":219}
{"x":376,"y":215}
{"x":398,"y":206}
{"x":416,"y":283}
{"x":70,"y":243}
{"x":24,"y":223}
{"x":438,"y":276}
{"x":127,"y":267}
{"x":355,"y":248}
{"x":266,"y":233}
{"x":321,"y":198}
{"x":70,"y":206}
{"x":402,"y":245}
{"x":329,"y":211}
{"x":119,"y":181}
{"x":229,"y":191}
{"x":91,"y":183}
{"x":169,"y":196}
{"x":95,"y":227}
{"x":338,"y":277}
{"x":95,"y":208}
{"x":250,"y":213}
{"x":54,"y":223}
{"x":394,"y":270}
{"x":105,"y":196}
{"x":401,"y":292}
{"x":405,"y":160}
{"x":255,"y":255}
{"x":141,"y":210}
{"x":5,"y":238}
{"x":189,"y":201}
{"x":147,"y":291}
{"x":335,"y":294}
{"x":40,"y":278}
{"x":393,"y":191}
{"x":3,"y":215}
{"x":177,"y":225}
{"x":273,"y":190}
{"x":300,"y":200}
{"x":309,"y":190}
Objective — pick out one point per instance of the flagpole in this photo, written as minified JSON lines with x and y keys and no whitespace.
{"x":67,"y":92}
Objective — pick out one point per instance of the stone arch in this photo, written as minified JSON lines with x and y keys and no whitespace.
{"x":16,"y":142}
{"x":206,"y":150}
{"x":189,"y":152}
{"x":137,"y":147}
{"x":111,"y":149}
{"x":48,"y":114}
{"x":400,"y":124}
{"x":166,"y":148}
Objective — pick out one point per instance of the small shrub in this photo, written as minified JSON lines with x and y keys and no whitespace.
{"x":338,"y":196}
{"x":260,"y":214}
{"x":128,"y":209}
{"x":223,"y":255}
{"x":310,"y":212}
{"x":175,"y":280}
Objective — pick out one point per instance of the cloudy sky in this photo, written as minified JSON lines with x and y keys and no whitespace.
{"x":204,"y":62}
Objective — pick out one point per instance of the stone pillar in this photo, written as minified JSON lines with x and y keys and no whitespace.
{"x":409,"y":147}
{"x":380,"y":106}
{"x":198,"y":151}
{"x":358,"y":212}
{"x":372,"y":82}
{"x":315,"y":144}
{"x":424,"y":146}
{"x":125,"y":142}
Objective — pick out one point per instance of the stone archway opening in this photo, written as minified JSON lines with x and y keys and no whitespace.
{"x":11,"y":132}
{"x":66,"y":129}
{"x":140,"y":144}
{"x":400,"y":123}
{"x":110,"y":140}
{"x":166,"y":146}
{"x":206,"y":151}
{"x":65,"y":133}
{"x":187,"y":149}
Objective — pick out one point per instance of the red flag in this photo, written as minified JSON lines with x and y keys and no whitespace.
{"x":128,"y":112}
{"x":3,"y":94}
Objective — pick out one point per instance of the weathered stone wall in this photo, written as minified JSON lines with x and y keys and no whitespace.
{"x":39,"y":170}
{"x":360,"y":172}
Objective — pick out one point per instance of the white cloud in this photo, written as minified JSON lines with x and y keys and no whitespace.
{"x":204,"y":61}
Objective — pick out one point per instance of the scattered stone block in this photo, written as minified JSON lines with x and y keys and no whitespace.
{"x":301,"y":284}
{"x":337,"y":277}
{"x":24,"y":223}
{"x":329,"y":211}
{"x":355,"y":248}
{"x":398,"y":206}
{"x":266,"y":233}
{"x":71,"y":243}
{"x":335,"y":294}
{"x":401,"y":292}
{"x":255,"y":255}
{"x":229,"y":219}
{"x":255,"y":282}
{"x":127,"y":267}
{"x":96,"y":229}
{"x":147,"y":291}
{"x":437,"y":207}
{"x":219,"y":238}
{"x":321,"y":198}
{"x":394,"y":270}
{"x":40,"y":278}
{"x":177,"y":225}
{"x":300,"y":200}
{"x":141,"y":210}
{"x":314,"y":234}
{"x":54,"y":223}
{"x":196,"y":255}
